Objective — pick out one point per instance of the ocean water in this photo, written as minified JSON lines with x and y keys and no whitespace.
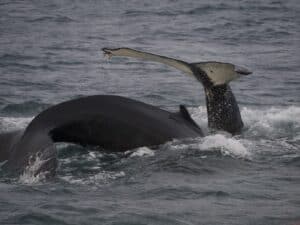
{"x":50,"y":51}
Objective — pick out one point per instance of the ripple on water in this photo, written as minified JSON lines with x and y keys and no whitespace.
{"x":219,"y":179}
{"x":47,"y":19}
{"x":24,"y":108}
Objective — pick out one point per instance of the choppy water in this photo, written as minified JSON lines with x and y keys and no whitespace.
{"x":50,"y":52}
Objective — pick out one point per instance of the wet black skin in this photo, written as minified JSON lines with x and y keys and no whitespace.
{"x":223,"y":112}
{"x":111,"y":122}
{"x":115,"y":124}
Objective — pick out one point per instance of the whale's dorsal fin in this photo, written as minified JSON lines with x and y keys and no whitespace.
{"x":184,"y":113}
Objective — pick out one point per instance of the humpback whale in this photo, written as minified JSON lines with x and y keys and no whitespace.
{"x":112,"y":122}
{"x":117,"y":123}
{"x":222,"y":109}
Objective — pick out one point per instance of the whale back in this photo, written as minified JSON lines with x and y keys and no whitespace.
{"x":34,"y":148}
{"x":116,"y":123}
{"x":111,"y":122}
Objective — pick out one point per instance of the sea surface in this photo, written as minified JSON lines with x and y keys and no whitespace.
{"x":50,"y":51}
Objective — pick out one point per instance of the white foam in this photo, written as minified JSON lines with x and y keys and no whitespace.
{"x":100,"y":178}
{"x":29,"y":175}
{"x":228,"y":145}
{"x":93,"y":155}
{"x":199,"y":114}
{"x":13,"y":123}
{"x":276,"y":126}
{"x":224,"y":142}
{"x":272,"y":117}
{"x":142,"y":151}
{"x":105,"y":176}
{"x":259,"y":122}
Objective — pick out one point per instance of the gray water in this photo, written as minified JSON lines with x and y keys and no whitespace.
{"x":50,"y":51}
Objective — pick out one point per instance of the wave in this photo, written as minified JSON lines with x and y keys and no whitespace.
{"x":58,"y":19}
{"x":142,"y":151}
{"x":206,"y":8}
{"x":16,"y":57}
{"x":100,"y":178}
{"x":67,"y":63}
{"x":170,"y":193}
{"x":220,"y":143}
{"x":265,"y":122}
{"x":272,"y":123}
{"x":24,"y":108}
{"x":26,"y":66}
{"x":227,"y":145}
{"x":268,"y":132}
{"x":13,"y":123}
{"x":29,"y":175}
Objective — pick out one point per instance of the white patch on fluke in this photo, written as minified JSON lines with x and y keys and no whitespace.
{"x":219,"y":73}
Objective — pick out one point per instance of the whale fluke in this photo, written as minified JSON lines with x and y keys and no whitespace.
{"x":222,"y":109}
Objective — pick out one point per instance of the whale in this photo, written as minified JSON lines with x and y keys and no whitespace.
{"x":116,"y":123}
{"x":222,"y":109}
{"x":7,"y":141}
{"x":113,"y":123}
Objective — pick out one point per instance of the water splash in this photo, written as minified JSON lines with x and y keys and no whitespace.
{"x":100,"y":178}
{"x":30,"y":175}
{"x":199,"y":114}
{"x":228,"y":145}
{"x":275,"y":127}
{"x":142,"y":151}
{"x":13,"y":123}
{"x":273,"y":121}
{"x":261,"y":126}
